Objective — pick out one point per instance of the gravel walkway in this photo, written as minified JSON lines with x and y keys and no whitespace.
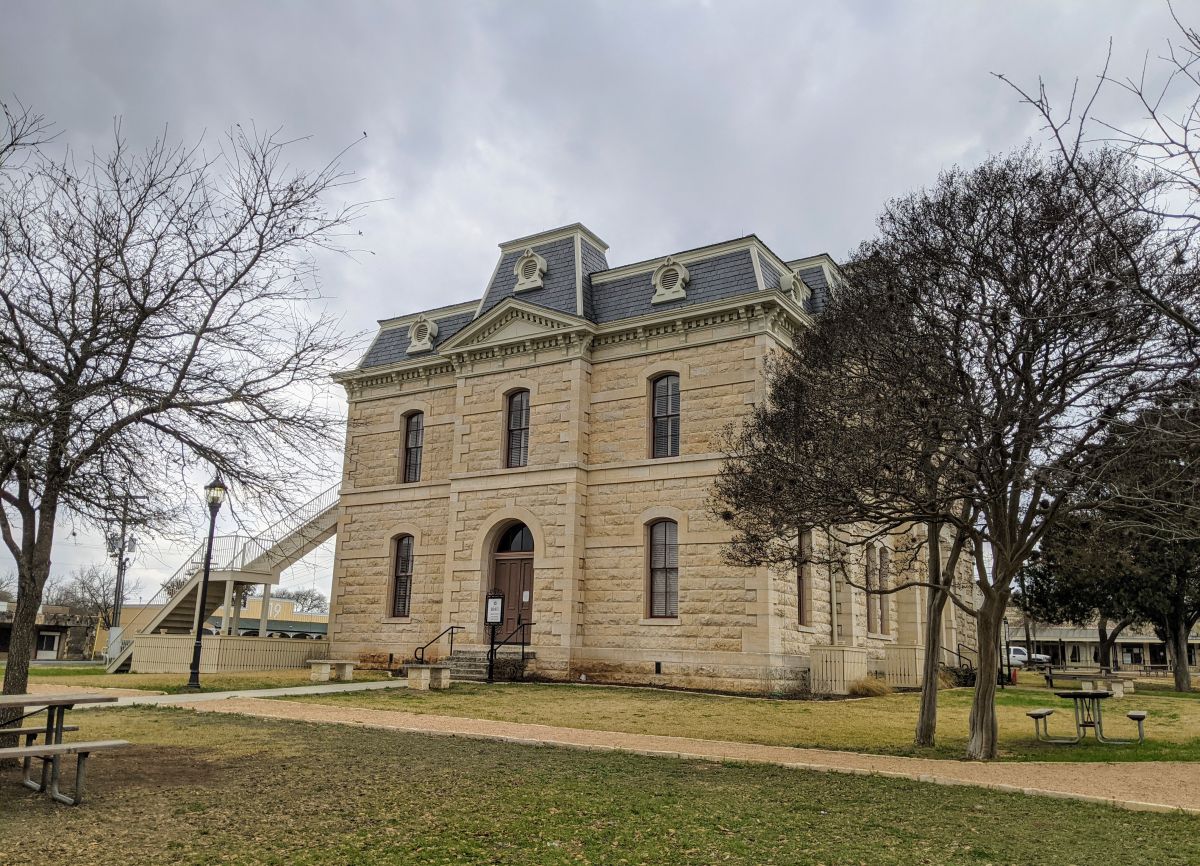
{"x":1148,"y":786}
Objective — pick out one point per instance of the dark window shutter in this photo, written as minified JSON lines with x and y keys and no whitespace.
{"x":518,"y":429}
{"x":414,"y":442}
{"x":665,"y":411}
{"x":664,"y":569}
{"x":402,"y":588}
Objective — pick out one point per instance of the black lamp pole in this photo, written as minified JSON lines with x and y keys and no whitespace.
{"x":214,"y":492}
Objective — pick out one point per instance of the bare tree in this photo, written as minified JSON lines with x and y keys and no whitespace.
{"x":8,"y":586}
{"x":1166,"y":143}
{"x":831,"y":458}
{"x":91,"y":590}
{"x":156,"y":320}
{"x":307,"y":600}
{"x":1023,"y":294}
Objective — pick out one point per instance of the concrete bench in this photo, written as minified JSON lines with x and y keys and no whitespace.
{"x":323,"y":670}
{"x":1041,"y":726}
{"x":1138,"y":716}
{"x":425,"y":677}
{"x":54,"y":753}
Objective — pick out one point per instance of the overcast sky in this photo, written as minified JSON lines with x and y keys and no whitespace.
{"x":660,"y":125}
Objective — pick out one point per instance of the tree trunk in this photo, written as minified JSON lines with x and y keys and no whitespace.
{"x":1177,"y":641}
{"x":984,"y":732}
{"x":20,"y":650}
{"x":1106,"y":643}
{"x":927,"y":718}
{"x":926,"y":732}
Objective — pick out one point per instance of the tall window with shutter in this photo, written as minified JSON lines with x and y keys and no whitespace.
{"x":414,"y":441}
{"x":402,"y":579}
{"x":665,"y":411}
{"x":517,"y":433}
{"x":664,"y":569}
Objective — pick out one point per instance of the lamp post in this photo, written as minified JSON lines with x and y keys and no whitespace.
{"x":1007,"y":649}
{"x":214,"y":494}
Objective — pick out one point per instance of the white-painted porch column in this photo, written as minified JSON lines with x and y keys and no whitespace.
{"x":225,"y":617}
{"x":265,"y":613}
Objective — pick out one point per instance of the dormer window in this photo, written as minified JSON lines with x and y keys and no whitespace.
{"x":669,"y":281}
{"x":420,"y":334}
{"x":529,"y":269}
{"x":792,"y":284}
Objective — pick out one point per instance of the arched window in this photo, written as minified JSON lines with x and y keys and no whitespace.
{"x":516,"y":449}
{"x":516,"y":539}
{"x":883,"y":579}
{"x":402,"y":579}
{"x":664,"y":569}
{"x":414,"y":442}
{"x":872,"y":598}
{"x":804,"y":599}
{"x":665,"y":416}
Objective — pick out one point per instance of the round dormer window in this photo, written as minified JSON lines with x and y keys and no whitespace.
{"x":529,"y":271}
{"x":670,"y":279}
{"x":420,"y":334}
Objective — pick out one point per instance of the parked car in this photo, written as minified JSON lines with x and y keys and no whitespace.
{"x":1020,"y":657}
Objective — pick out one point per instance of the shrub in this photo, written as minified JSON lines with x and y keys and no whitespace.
{"x":869,"y":687}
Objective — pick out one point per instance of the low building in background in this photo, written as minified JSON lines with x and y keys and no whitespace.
{"x":62,"y":633}
{"x":1137,"y":647}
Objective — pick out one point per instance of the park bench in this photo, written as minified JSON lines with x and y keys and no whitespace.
{"x":54,"y":753}
{"x":1040,"y":725}
{"x":1117,"y":684}
{"x":1138,"y":716}
{"x":323,"y":670}
{"x":422,"y":678}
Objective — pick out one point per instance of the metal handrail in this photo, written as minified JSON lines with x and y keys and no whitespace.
{"x":966,"y":662}
{"x":521,"y":626}
{"x":419,"y":652}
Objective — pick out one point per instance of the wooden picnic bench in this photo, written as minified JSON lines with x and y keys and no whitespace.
{"x":323,"y":670}
{"x":51,"y":755}
{"x":1118,"y":684}
{"x":51,"y":751}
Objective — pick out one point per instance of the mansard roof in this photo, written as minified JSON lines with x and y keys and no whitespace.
{"x":565,"y":271}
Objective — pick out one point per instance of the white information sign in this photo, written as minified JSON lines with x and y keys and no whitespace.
{"x":495,"y":610}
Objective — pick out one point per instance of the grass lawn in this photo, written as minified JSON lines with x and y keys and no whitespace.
{"x":203,"y":788}
{"x":173,"y":683}
{"x":883,"y":725}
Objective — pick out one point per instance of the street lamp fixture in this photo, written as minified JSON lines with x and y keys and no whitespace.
{"x":214,"y":495}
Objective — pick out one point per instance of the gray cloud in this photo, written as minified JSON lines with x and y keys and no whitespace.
{"x":661,"y":125}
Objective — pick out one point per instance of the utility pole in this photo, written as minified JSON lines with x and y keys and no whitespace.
{"x":120,"y":545}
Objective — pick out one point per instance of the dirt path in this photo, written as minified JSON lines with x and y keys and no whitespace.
{"x":1150,"y":786}
{"x":53,"y":689}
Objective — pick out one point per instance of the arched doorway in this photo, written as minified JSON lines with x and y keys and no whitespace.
{"x":512,"y":576}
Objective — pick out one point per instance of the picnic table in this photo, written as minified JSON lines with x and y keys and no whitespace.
{"x":52,"y":749}
{"x":1089,"y":713}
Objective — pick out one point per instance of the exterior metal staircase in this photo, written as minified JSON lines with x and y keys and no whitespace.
{"x":237,"y":559}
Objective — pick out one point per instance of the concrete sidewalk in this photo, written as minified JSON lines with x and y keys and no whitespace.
{"x":1167,"y":786}
{"x":159,"y":699}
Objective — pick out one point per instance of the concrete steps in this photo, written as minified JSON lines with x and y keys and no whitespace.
{"x":471,"y":666}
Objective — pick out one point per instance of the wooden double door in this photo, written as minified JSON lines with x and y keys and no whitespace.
{"x":513,"y":578}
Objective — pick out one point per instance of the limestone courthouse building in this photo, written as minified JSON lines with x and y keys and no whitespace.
{"x":554,"y":442}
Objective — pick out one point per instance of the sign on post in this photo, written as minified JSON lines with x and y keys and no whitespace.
{"x":494,"y":615}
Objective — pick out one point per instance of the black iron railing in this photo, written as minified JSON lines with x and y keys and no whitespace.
{"x":419,"y":652}
{"x":508,"y":639}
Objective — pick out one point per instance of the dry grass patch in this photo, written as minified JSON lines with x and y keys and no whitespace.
{"x":95,"y":677}
{"x":201,"y":789}
{"x":881,"y":725}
